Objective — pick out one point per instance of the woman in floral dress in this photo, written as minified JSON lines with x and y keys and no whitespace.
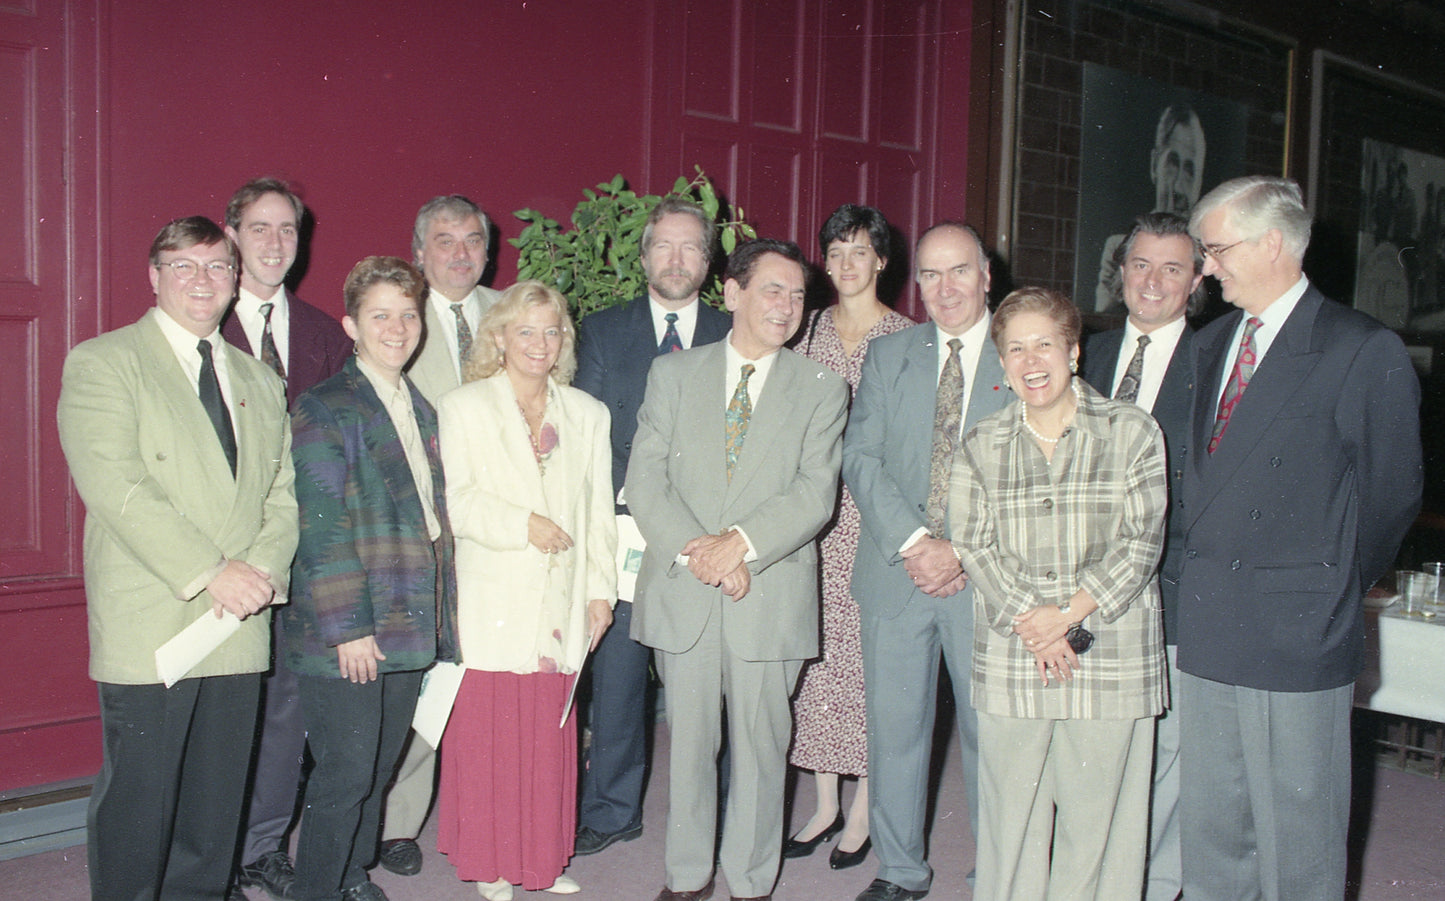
{"x":830,"y":736}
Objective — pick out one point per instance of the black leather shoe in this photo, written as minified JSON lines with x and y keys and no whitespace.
{"x":271,"y":871}
{"x":365,"y":891}
{"x":590,"y":841}
{"x":793,"y":848}
{"x":234,"y":893}
{"x":401,"y":856}
{"x":883,"y":890}
{"x":701,"y":894}
{"x":842,"y":860}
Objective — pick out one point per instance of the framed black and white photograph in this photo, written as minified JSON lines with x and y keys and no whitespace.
{"x":1146,"y":146}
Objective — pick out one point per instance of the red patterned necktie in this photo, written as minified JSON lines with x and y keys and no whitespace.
{"x":1238,"y":381}
{"x":671,"y":340}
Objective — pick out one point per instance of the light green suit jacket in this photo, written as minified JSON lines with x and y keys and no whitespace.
{"x":163,"y":511}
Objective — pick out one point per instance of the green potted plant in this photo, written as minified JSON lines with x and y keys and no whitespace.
{"x":598,"y":262}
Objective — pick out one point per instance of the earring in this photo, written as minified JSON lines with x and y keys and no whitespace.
{"x":1073,"y":365}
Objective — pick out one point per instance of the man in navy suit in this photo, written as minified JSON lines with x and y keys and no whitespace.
{"x":1303,"y":473}
{"x":1147,"y":363}
{"x":914,"y":598}
{"x":615,"y":350}
{"x":303,"y":346}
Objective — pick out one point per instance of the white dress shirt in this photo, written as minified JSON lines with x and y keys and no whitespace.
{"x":247,"y":311}
{"x":397,"y":400}
{"x":1157,"y":355}
{"x":686,"y":320}
{"x":183,"y":342}
{"x":1271,"y":321}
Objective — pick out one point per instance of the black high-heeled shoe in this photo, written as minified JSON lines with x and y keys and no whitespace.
{"x":793,"y":848}
{"x":842,"y":860}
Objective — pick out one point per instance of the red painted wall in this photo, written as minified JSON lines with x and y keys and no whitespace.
{"x":369,"y":108}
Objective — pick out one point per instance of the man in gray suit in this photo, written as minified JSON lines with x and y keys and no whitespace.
{"x":449,"y":243}
{"x":1147,"y":363}
{"x":734,"y":469}
{"x":914,"y":597}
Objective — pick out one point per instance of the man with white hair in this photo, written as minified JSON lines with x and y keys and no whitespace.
{"x":1302,"y":474}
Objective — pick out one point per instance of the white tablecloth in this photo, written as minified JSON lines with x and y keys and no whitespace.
{"x":1404,"y":665}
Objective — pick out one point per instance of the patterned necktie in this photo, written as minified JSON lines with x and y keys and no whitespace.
{"x":1238,"y":381}
{"x":464,"y":335}
{"x":1128,"y":390}
{"x":947,"y":414}
{"x":671,"y":340}
{"x":269,"y":355}
{"x":210,"y":390}
{"x":740,"y":410}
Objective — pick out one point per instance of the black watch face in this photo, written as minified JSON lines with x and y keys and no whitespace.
{"x":1079,"y":638}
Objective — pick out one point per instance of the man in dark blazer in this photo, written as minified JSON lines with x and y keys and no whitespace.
{"x":1147,"y":363}
{"x":915,"y":602}
{"x":1302,"y":475}
{"x":615,"y":350}
{"x":303,"y":346}
{"x":734,"y":469}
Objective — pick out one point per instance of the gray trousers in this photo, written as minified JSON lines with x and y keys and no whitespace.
{"x":900,"y":677}
{"x":1065,"y":808}
{"x":1265,"y":792}
{"x":698,"y":683}
{"x":1163,"y":875}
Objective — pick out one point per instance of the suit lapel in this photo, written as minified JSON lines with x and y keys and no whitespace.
{"x":187,"y":413}
{"x":988,"y":393}
{"x":383,"y":444}
{"x":701,"y":424}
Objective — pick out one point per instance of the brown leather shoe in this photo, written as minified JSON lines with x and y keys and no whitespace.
{"x":701,"y":894}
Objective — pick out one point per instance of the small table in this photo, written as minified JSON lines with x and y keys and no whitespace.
{"x":1405,"y":671}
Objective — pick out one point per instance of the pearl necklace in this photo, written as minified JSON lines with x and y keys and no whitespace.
{"x":1024,"y":418}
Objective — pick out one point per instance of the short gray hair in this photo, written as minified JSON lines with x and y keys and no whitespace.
{"x":670,"y":205}
{"x":447,"y":206}
{"x":1258,"y":203}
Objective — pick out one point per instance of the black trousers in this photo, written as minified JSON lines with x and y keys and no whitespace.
{"x":166,"y":808}
{"x":356,"y":734}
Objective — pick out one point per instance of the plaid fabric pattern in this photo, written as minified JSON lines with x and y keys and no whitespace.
{"x":1033,"y":532}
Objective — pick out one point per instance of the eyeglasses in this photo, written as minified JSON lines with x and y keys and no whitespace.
{"x":1214,"y":251}
{"x":185,"y":270}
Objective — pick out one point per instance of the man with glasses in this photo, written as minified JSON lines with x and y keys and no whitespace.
{"x":303,"y":346}
{"x":1303,"y":475}
{"x":179,"y":446}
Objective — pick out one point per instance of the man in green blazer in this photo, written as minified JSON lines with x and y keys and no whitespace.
{"x":180,"y":448}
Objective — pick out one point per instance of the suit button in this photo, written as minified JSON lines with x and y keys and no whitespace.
{"x":1254,"y":514}
{"x":1235,"y":565}
{"x":1191,"y":553}
{"x":920,"y":508}
{"x":1275,"y":461}
{"x":1048,"y":503}
{"x":627,"y":446}
{"x":160,"y":455}
{"x":1051,"y":576}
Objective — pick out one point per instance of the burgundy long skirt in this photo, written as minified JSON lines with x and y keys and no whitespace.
{"x":508,"y":797}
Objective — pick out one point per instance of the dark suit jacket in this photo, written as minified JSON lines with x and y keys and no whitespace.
{"x":1171,"y":411}
{"x":365,"y":564}
{"x":1303,"y":504}
{"x":615,"y":349}
{"x":317,"y":348}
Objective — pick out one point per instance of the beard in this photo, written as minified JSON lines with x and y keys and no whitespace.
{"x":675,"y":284}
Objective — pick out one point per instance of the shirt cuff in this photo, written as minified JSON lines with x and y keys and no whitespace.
{"x":920,"y":532}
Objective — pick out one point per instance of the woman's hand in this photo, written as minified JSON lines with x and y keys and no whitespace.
{"x":357,"y":659}
{"x":599,"y":619}
{"x":1057,"y":658}
{"x":546,"y":536}
{"x":1043,"y":626}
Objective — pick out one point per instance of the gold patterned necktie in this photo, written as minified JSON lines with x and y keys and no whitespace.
{"x":1238,"y":380}
{"x":464,"y":335}
{"x":1129,"y":384}
{"x":269,"y":355}
{"x":740,"y":410}
{"x":947,"y":416}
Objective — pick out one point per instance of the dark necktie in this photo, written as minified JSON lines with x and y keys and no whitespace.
{"x":947,"y":415}
{"x":269,"y":355}
{"x":464,"y":335}
{"x":740,"y":410}
{"x":1238,"y":381}
{"x":1129,"y":384}
{"x":210,"y":390}
{"x":671,"y":341}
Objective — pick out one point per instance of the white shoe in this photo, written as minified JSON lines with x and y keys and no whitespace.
{"x":501,"y":890}
{"x":565,"y":885}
